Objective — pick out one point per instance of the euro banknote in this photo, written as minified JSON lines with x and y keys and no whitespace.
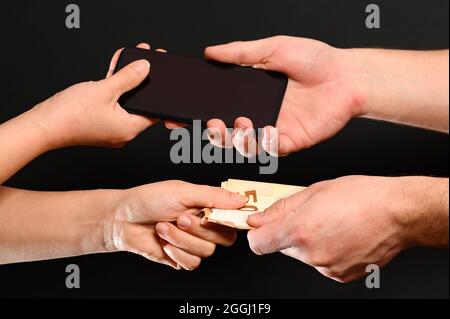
{"x":260,"y":197}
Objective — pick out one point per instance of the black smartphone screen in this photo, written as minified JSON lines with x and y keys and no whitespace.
{"x":185,"y":89}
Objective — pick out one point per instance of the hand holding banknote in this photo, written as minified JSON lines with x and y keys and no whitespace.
{"x":341,"y":226}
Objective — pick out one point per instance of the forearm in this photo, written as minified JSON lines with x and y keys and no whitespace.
{"x":423,"y":212}
{"x":38,"y":226}
{"x":22,"y":139}
{"x":408,"y":87}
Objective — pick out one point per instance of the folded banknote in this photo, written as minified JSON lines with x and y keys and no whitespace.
{"x":260,"y":195}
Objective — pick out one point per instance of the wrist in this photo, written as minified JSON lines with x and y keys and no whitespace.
{"x":110,"y":225}
{"x":357,"y":64}
{"x":422,"y":211}
{"x":97,"y":222}
{"x":43,"y":117}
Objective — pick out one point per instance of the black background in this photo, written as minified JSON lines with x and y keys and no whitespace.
{"x":39,"y":57}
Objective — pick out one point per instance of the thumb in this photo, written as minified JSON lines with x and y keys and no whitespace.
{"x":245,"y":53}
{"x":270,"y":238}
{"x":212,"y":197}
{"x":129,"y":77}
{"x":270,"y":215}
{"x":279,"y":209}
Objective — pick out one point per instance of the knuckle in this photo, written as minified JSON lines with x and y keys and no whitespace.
{"x":338,"y":277}
{"x":279,"y":205}
{"x":121,"y":141}
{"x":319,"y":259}
{"x":300,"y":237}
{"x":281,"y":38}
{"x":213,"y":194}
{"x":343,"y":279}
{"x":239,"y":53}
{"x":106,"y":89}
{"x":327,"y":272}
{"x":125,"y":78}
{"x":129,"y":136}
{"x":128,"y":81}
{"x":177,"y":183}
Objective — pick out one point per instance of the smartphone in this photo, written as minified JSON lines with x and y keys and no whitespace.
{"x":184,"y":89}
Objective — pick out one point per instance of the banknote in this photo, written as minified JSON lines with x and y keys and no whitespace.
{"x":260,"y":196}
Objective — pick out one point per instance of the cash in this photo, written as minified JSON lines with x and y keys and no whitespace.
{"x":260,"y":197}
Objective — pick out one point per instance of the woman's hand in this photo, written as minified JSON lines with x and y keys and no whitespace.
{"x":143,"y":217}
{"x":89,"y":113}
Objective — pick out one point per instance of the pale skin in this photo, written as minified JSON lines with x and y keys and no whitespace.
{"x":341,"y":226}
{"x":46,"y":225}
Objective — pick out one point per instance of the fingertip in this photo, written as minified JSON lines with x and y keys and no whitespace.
{"x":184,"y":222}
{"x":255,"y":220}
{"x":173,"y":125}
{"x":244,"y":138}
{"x":231,"y":240}
{"x":162,"y":229}
{"x":286,"y":146}
{"x":142,"y":66}
{"x":270,"y":141}
{"x":205,"y":222}
{"x":217,"y":133}
{"x":216,"y":123}
{"x":239,"y":199}
{"x":251,"y":238}
{"x":217,"y":52}
{"x":243,"y":123}
{"x":144,"y":45}
{"x":208,"y":52}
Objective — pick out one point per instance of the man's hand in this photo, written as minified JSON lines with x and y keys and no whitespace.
{"x":321,"y":96}
{"x":329,"y":86}
{"x":341,"y":226}
{"x":143,"y":222}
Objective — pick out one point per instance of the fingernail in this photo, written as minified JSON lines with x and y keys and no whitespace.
{"x":270,"y":141}
{"x":162,"y":229}
{"x":184,"y":222}
{"x":239,"y":198}
{"x":238,"y":141}
{"x":142,"y":66}
{"x":214,"y":137}
{"x":168,"y":251}
{"x":204,"y":221}
{"x":237,"y":133}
